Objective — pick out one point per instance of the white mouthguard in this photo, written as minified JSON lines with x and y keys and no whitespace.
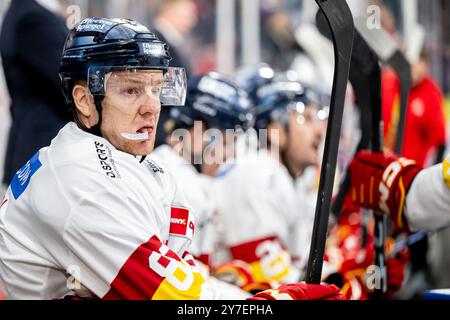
{"x":135,"y":136}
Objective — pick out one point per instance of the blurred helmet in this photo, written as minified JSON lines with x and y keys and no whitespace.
{"x":253,"y":77}
{"x":98,"y":46}
{"x":283,"y":95}
{"x":215,"y":100}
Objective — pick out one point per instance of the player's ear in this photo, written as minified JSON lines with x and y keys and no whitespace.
{"x":276,"y":136}
{"x":84,"y":102}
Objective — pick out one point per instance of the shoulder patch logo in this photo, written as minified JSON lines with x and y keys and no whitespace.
{"x":181,"y":223}
{"x":154,"y":167}
{"x":23,"y":176}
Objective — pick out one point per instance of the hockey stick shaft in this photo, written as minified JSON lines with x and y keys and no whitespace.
{"x":403,"y":71}
{"x":377,"y":145}
{"x":340,"y":20}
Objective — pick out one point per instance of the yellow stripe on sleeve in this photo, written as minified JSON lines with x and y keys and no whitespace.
{"x":446,"y":171}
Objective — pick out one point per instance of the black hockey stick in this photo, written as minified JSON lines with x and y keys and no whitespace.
{"x":365,"y":77}
{"x":363,"y":64}
{"x":375,"y":133}
{"x":377,"y":145}
{"x":340,"y":21}
{"x":402,"y":68}
{"x":390,"y":54}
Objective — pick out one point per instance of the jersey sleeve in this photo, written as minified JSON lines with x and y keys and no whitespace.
{"x":428,"y":200}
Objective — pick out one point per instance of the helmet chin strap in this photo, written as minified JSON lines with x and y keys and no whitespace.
{"x":95,"y":129}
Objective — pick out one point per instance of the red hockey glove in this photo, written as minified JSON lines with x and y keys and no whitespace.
{"x":301,"y":291}
{"x":380,"y":182}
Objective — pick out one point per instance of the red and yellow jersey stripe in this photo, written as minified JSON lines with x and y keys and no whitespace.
{"x":446,"y":171}
{"x":154,"y":271}
{"x":268,"y":259}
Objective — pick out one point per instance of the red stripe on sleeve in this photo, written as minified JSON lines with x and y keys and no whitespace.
{"x":136,"y":280}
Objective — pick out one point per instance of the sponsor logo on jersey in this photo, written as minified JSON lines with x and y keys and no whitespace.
{"x":23,"y":176}
{"x":106,"y":161}
{"x":179,"y":222}
{"x":154,"y":167}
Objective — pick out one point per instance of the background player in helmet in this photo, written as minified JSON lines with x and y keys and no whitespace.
{"x":88,"y":215}
{"x":252,"y":78}
{"x":304,"y":130}
{"x":262,"y":183}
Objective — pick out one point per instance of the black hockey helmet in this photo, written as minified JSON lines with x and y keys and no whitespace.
{"x":98,"y":46}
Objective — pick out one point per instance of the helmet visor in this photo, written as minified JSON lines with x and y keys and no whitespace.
{"x":134,"y":87}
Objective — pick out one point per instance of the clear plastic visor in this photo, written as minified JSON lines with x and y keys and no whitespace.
{"x":135,"y":87}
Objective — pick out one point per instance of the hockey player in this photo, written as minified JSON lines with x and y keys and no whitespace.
{"x":252,"y":78}
{"x":89,"y":215}
{"x":262,"y":184}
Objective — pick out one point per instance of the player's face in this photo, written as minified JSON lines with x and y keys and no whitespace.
{"x":132,"y":106}
{"x":305,"y":136}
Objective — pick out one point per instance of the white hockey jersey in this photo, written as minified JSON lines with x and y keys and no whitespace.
{"x":195,"y":187}
{"x":83,"y":216}
{"x":300,"y":240}
{"x":428,"y":200}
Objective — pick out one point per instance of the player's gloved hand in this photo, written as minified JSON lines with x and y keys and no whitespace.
{"x":380,"y":181}
{"x":301,"y":291}
{"x":239,"y":273}
{"x":395,"y":271}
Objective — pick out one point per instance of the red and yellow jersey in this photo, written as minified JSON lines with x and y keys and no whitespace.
{"x":257,"y":205}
